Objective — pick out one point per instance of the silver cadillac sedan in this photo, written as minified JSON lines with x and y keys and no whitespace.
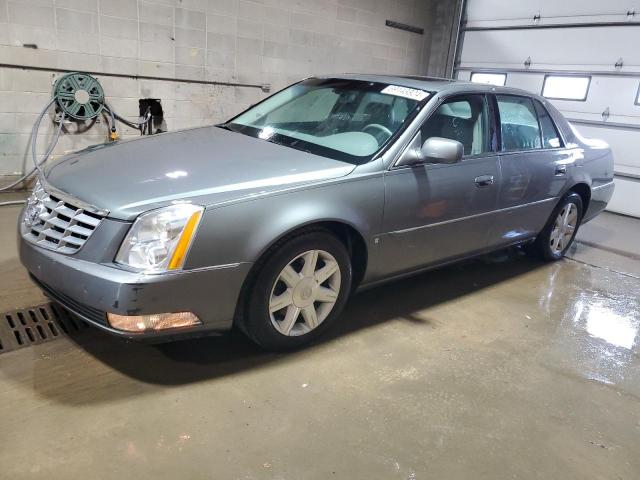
{"x":269,"y":221}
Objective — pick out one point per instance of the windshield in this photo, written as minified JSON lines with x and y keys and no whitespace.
{"x":348,"y":120}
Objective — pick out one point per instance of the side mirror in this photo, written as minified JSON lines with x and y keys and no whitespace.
{"x":442,"y":150}
{"x":434,"y":150}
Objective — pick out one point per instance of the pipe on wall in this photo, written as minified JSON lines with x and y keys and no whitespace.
{"x":264,"y":87}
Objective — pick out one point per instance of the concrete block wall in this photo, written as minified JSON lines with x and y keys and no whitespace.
{"x":184,"y":46}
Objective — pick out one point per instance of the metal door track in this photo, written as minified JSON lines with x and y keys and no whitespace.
{"x":34,"y":325}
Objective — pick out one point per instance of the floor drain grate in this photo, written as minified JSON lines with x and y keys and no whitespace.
{"x":33,"y":325}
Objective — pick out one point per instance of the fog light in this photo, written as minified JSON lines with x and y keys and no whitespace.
{"x":157,"y":321}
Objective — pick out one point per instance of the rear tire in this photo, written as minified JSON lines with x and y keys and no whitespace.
{"x":297,"y":290}
{"x":560,"y":230}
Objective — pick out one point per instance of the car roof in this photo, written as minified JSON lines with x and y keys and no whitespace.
{"x":431,"y":84}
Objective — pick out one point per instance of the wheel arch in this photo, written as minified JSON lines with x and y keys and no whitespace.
{"x":345,"y":231}
{"x":584,"y":190}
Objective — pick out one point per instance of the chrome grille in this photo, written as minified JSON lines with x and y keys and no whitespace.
{"x":56,"y":224}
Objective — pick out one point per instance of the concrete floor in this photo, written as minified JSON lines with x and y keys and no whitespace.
{"x":502,"y":367}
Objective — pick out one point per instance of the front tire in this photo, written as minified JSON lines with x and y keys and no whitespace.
{"x":297,"y":290}
{"x":558,"y":234}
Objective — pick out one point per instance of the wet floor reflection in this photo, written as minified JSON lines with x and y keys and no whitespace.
{"x":599,"y":319}
{"x":612,"y":327}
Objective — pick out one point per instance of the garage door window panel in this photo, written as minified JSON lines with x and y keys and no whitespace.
{"x":519,"y":127}
{"x":461,"y":118}
{"x":497,"y":79}
{"x":566,"y":87}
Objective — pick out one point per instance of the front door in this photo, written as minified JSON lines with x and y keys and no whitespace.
{"x":436,"y":212}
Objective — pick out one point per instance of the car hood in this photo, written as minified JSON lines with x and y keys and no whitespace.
{"x":206,"y":166}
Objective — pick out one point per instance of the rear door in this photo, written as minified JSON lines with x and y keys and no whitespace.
{"x":435,"y":212}
{"x":535,"y":166}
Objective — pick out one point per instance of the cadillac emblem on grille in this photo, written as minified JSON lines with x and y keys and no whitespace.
{"x":56,"y":224}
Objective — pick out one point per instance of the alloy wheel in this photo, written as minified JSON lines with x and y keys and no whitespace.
{"x":304,"y":293}
{"x":563,"y":228}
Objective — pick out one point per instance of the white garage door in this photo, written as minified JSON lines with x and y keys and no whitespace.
{"x":594,"y":43}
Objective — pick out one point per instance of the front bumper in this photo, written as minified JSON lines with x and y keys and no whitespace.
{"x":91,"y":289}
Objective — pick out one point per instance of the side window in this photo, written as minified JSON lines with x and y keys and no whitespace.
{"x":550,"y":136}
{"x":463,"y":118}
{"x":518,"y":123}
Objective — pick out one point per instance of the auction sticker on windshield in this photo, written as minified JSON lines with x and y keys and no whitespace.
{"x":407,"y":92}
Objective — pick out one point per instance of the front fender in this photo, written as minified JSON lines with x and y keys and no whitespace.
{"x":243,"y":231}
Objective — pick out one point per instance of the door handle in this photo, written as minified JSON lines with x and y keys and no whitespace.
{"x":561,"y":170}
{"x":484,"y":180}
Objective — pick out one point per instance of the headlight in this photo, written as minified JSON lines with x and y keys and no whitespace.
{"x":159,"y":240}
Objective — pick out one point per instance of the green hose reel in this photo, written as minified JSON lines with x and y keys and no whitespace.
{"x":79,"y":96}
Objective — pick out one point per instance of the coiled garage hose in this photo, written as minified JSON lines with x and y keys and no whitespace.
{"x":78,"y":96}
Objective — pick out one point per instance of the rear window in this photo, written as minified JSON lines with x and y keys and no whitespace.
{"x":550,"y":136}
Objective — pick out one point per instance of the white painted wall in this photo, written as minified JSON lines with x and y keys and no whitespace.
{"x":570,"y":49}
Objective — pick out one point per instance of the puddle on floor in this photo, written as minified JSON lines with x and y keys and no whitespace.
{"x":598,"y":320}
